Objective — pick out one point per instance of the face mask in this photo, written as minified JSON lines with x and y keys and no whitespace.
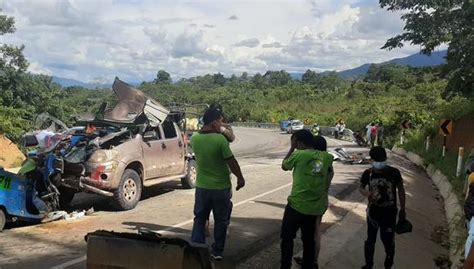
{"x":378,"y":165}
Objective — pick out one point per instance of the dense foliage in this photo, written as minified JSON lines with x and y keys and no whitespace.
{"x":431,"y":23}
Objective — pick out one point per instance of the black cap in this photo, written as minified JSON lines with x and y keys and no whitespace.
{"x":211,"y":115}
{"x":378,"y":154}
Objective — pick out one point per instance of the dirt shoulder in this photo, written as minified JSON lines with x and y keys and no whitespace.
{"x":10,"y":154}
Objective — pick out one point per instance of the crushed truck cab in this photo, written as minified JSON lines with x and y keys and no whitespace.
{"x":121,"y":150}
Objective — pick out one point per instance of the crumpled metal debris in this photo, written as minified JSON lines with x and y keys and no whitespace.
{"x":79,"y":214}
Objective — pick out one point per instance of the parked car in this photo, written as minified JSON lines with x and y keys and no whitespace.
{"x":295,"y":125}
{"x":134,"y":145}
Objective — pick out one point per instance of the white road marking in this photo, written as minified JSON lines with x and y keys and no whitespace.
{"x":186,"y":222}
{"x":69,"y":263}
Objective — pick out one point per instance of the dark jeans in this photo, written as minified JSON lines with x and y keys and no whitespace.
{"x":219,"y":202}
{"x":292,"y":221}
{"x":385,"y":220}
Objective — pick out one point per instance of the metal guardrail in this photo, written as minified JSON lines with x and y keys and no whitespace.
{"x":323,"y":130}
{"x":256,"y":125}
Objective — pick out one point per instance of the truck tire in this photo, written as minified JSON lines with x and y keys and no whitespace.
{"x":3,"y":219}
{"x":65,"y":197}
{"x":129,"y":191}
{"x":189,"y":181}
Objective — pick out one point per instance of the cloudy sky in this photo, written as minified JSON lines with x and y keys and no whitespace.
{"x":96,"y":40}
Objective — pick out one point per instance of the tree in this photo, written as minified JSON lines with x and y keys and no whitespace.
{"x":431,"y":23}
{"x":278,"y":78}
{"x":309,"y":77}
{"x":219,"y":79}
{"x":12,"y":61}
{"x":162,"y":77}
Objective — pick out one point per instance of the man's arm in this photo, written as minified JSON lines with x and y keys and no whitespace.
{"x":363,"y":190}
{"x":364,"y":182}
{"x":292,"y":149}
{"x":235,"y":169}
{"x":401,"y":197}
{"x":228,"y":133}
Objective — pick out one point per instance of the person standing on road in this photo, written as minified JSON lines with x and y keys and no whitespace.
{"x":382,"y":181}
{"x":380,"y":130}
{"x":228,"y":133}
{"x":213,"y":186}
{"x":321,"y":145}
{"x":369,"y":133}
{"x":342,"y":128}
{"x":308,"y":200}
{"x":469,"y":213}
{"x":337,"y":128}
{"x":373,"y":135}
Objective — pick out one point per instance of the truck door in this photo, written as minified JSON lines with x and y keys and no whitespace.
{"x":173,"y":149}
{"x":152,"y":150}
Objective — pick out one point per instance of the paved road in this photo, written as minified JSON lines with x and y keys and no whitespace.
{"x":256,"y":217}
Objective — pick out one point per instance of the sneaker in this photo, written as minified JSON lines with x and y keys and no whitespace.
{"x":299,"y":260}
{"x":366,"y":267}
{"x":388,"y":262}
{"x":217,"y":257}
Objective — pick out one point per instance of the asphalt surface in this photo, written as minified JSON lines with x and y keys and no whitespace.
{"x":256,"y":217}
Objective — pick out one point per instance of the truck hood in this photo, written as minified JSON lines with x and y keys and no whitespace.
{"x":132,"y":103}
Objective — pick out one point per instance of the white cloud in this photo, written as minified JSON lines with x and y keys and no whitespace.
{"x":250,"y":42}
{"x":85,"y":40}
{"x":272,"y":45}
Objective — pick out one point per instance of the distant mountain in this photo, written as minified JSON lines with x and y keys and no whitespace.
{"x":415,"y":60}
{"x":296,"y":75}
{"x":67,"y":82}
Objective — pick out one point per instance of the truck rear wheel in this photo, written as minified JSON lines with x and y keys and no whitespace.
{"x":3,"y":219}
{"x":189,"y":181}
{"x":128,"y":194}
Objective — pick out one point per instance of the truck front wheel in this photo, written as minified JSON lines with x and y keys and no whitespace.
{"x":189,"y":181}
{"x":127,"y":195}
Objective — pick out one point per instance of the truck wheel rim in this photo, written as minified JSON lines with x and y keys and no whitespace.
{"x":129,"y":189}
{"x":192,"y":174}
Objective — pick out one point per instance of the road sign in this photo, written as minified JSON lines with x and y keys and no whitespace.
{"x":406,"y":124}
{"x":445,"y":127}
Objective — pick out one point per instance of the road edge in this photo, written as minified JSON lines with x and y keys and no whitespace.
{"x":452,"y":208}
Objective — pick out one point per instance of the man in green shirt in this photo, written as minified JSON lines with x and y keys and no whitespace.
{"x":215,"y":161}
{"x":308,"y":200}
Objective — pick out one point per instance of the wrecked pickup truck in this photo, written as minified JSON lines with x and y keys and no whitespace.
{"x":136,"y":144}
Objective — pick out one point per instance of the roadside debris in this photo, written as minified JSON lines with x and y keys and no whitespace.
{"x":340,"y":154}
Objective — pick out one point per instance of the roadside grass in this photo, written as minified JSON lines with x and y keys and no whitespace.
{"x":447,"y":165}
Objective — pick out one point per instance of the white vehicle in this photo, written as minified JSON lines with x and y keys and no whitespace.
{"x":295,"y":125}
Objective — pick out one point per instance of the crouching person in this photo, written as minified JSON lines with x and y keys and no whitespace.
{"x":308,"y":200}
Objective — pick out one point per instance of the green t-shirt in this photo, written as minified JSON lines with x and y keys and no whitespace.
{"x":309,"y":193}
{"x":211,"y":151}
